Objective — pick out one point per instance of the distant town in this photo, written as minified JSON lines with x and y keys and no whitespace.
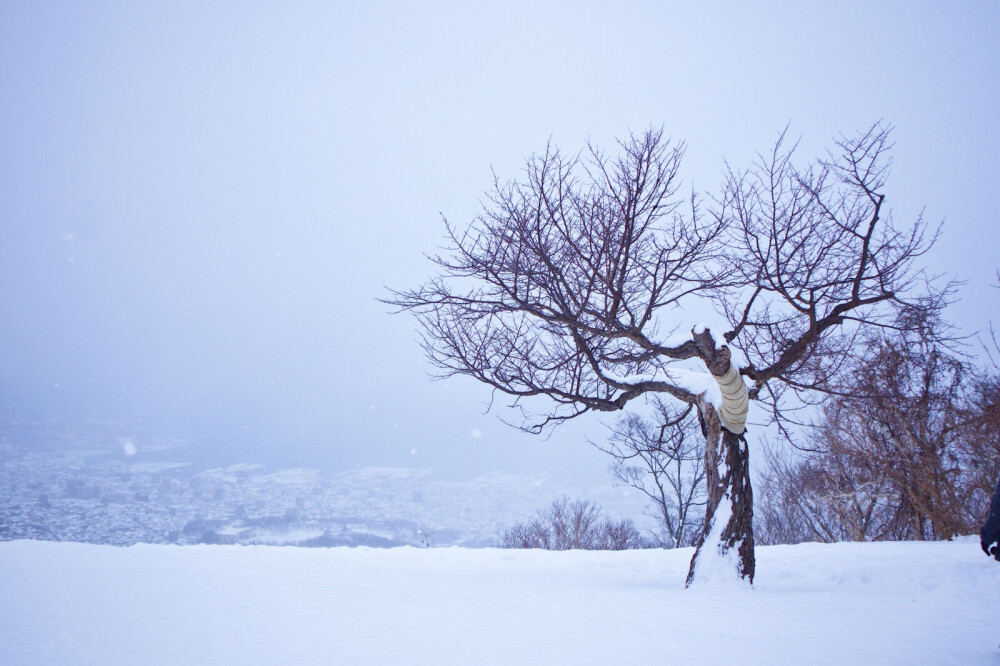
{"x":105,"y":494}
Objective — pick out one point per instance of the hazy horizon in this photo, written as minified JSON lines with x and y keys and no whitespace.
{"x":200,"y":205}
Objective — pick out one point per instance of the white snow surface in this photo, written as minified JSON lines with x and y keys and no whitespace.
{"x":868,"y":603}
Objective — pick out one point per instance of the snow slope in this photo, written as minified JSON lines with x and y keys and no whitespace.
{"x":884,"y":603}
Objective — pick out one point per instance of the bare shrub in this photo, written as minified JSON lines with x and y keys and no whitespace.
{"x":620,"y":535}
{"x":572,"y":525}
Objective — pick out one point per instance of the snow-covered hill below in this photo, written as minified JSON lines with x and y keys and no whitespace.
{"x":869,"y":603}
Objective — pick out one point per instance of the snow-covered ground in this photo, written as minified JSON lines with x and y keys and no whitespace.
{"x":882,"y":603}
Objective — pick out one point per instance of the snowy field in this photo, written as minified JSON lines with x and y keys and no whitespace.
{"x":885,"y":603}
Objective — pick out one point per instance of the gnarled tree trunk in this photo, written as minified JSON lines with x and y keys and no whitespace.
{"x":728,"y":533}
{"x":732,"y":540}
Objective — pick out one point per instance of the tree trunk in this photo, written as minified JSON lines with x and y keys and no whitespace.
{"x":728,"y":535}
{"x":714,"y":453}
{"x":732,"y":542}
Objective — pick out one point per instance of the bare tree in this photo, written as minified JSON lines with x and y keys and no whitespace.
{"x":907,"y":428}
{"x":980,"y":447}
{"x":663,"y":458}
{"x":823,"y":496}
{"x":910,"y":453}
{"x":567,"y":293}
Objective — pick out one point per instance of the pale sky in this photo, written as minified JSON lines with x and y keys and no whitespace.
{"x":200,"y":202}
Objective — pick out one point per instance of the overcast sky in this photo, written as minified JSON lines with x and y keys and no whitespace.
{"x":200,"y":202}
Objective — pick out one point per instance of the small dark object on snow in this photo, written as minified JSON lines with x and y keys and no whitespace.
{"x":991,"y":528}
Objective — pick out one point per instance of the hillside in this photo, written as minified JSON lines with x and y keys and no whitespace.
{"x":885,"y":603}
